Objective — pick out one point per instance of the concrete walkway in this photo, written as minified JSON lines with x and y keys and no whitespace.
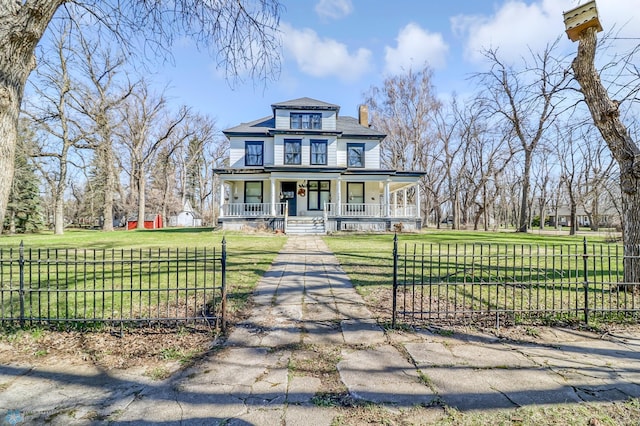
{"x":310,"y":343}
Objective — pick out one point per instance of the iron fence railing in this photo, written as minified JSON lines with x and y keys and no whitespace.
{"x":504,"y":284}
{"x":144,"y":286}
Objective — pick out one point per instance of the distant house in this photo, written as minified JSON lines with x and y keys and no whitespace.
{"x":608,"y":217}
{"x":308,"y":169}
{"x":187,"y":217}
{"x":152,"y":221}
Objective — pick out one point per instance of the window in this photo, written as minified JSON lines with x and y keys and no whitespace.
{"x":355,"y":155}
{"x":253,"y":153}
{"x":292,"y":151}
{"x":318,"y":152}
{"x":253,"y":196}
{"x":355,"y":192}
{"x":319,"y":193}
{"x":306,"y":121}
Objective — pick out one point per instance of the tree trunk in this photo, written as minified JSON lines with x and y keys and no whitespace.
{"x":573,"y":218}
{"x":606,"y":117}
{"x":109,"y":186}
{"x":141,"y":197}
{"x":526,"y":182}
{"x":9,"y":110}
{"x":58,"y":213}
{"x":21,"y":28}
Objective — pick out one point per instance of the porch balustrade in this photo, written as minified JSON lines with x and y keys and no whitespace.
{"x":253,"y":209}
{"x":355,"y":210}
{"x":368,"y":210}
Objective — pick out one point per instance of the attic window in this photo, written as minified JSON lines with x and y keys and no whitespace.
{"x":306,"y":121}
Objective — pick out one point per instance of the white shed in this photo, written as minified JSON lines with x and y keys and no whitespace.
{"x":187,"y":217}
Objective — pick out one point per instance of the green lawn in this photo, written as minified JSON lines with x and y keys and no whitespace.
{"x":248,"y":257}
{"x":442,"y":272}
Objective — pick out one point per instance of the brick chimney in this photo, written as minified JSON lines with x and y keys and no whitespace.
{"x":363,"y":115}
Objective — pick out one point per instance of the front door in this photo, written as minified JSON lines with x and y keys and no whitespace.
{"x":288,"y":191}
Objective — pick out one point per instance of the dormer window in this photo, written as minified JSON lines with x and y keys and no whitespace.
{"x":306,"y":121}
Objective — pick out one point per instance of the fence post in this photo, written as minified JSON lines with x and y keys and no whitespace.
{"x":223,"y":267}
{"x":586,"y":280}
{"x":395,"y":279}
{"x":21,"y":291}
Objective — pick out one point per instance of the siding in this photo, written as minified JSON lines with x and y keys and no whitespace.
{"x":236,"y":151}
{"x":371,"y":153}
{"x":283,"y":121}
{"x":278,"y":152}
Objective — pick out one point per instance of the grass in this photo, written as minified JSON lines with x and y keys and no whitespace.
{"x":465,"y":272}
{"x":248,"y":257}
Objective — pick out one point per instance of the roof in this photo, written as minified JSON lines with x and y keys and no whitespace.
{"x":305,"y":103}
{"x":345,"y":126}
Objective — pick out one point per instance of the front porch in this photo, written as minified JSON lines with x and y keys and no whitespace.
{"x":334,"y":217}
{"x":328,"y":200}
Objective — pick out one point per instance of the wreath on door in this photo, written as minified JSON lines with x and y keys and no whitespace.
{"x":301,"y":192}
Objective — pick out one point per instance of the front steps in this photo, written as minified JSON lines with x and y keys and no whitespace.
{"x":304,"y":226}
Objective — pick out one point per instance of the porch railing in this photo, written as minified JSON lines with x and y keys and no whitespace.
{"x":404,"y":211}
{"x":253,"y":209}
{"x":368,"y":210}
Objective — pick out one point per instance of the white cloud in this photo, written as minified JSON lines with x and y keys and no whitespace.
{"x":323,"y":57}
{"x":517,"y":25}
{"x":334,"y":9}
{"x":415,"y":48}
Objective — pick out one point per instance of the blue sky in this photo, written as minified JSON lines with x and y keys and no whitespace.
{"x":335,"y":50}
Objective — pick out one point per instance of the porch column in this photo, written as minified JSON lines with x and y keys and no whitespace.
{"x":418,"y":202}
{"x":338,"y":211}
{"x":386,"y":200}
{"x":220,"y":207}
{"x":404,"y":202}
{"x":273,"y":196}
{"x":395,"y":204}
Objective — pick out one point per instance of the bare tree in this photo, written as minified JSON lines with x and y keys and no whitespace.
{"x":486,"y":154}
{"x":53,"y":112}
{"x":241,"y":34}
{"x":147,"y":128}
{"x":569,"y":160}
{"x":597,"y":168}
{"x":99,"y":97}
{"x":605,"y":113}
{"x":404,"y":109}
{"x":543,"y":171}
{"x":448,"y":121}
{"x":528,"y":101}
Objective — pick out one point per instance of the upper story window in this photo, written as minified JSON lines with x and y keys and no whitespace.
{"x":253,"y":153}
{"x":318,"y":152}
{"x":355,"y":155}
{"x":292,"y":151}
{"x":306,"y":120}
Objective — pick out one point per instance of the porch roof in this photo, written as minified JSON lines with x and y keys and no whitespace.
{"x":294,"y":170}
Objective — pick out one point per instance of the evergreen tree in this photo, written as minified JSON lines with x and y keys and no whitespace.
{"x":23,"y":209}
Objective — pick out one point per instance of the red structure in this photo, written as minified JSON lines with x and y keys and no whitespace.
{"x":150,"y":222}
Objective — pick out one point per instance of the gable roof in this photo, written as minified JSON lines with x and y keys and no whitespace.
{"x":305,"y":103}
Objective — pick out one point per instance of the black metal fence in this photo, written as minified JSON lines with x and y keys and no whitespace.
{"x":502,"y":284}
{"x":94,"y":286}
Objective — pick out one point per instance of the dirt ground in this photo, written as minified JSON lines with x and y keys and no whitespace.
{"x":159,"y":351}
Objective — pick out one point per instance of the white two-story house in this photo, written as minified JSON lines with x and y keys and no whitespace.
{"x":306,"y":168}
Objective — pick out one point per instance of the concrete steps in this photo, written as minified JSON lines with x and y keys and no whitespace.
{"x":304,"y":226}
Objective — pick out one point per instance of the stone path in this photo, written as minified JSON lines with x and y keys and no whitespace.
{"x":310,"y":344}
